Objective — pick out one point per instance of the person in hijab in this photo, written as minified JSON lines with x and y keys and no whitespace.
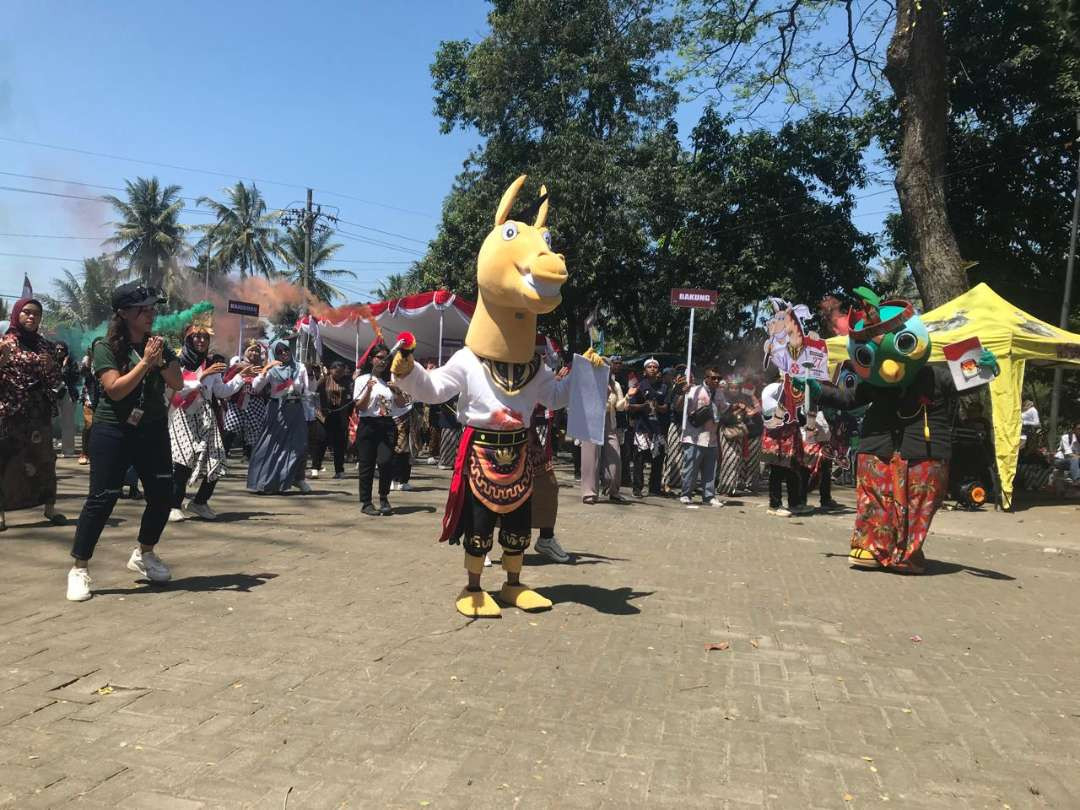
{"x":245,"y":412}
{"x":197,"y":447}
{"x":30,"y":383}
{"x":277,"y":462}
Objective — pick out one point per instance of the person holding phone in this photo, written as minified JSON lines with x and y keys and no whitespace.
{"x":130,"y":429}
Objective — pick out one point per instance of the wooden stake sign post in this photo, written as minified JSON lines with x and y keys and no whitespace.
{"x":243,"y":309}
{"x":693,"y":300}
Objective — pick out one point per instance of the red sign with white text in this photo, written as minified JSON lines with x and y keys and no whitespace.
{"x":695,"y":299}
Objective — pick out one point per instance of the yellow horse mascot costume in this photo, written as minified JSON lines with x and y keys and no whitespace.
{"x":499,"y":378}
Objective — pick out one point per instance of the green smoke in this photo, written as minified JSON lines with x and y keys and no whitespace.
{"x":79,"y":340}
{"x":174,"y":323}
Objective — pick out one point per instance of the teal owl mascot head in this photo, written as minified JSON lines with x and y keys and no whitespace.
{"x":888,"y":343}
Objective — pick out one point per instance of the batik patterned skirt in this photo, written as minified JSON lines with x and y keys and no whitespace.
{"x":196,"y":441}
{"x":673,"y":458}
{"x":895,"y":502}
{"x":27,"y":465}
{"x":448,"y":447}
{"x":247,"y":421}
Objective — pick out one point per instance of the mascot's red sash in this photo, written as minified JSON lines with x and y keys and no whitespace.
{"x":455,"y":500}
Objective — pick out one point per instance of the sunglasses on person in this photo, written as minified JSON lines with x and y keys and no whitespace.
{"x":381,"y":356}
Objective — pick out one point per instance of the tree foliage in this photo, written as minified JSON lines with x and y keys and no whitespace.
{"x":580,"y":104}
{"x":87,"y":301}
{"x":290,"y":249}
{"x":1011,"y":165}
{"x":243,"y":237}
{"x":149,"y":235}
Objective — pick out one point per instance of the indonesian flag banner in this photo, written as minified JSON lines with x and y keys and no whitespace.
{"x":349,"y":330}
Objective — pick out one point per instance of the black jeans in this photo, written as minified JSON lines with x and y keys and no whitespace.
{"x":113,"y":449}
{"x":375,"y":448}
{"x":778,"y":476}
{"x":655,"y":464}
{"x":181,"y":476}
{"x":334,"y":435}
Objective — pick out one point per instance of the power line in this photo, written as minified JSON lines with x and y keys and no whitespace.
{"x":231,"y":176}
{"x":63,"y":259}
{"x":49,"y":236}
{"x":387,"y":233}
{"x":378,"y":242}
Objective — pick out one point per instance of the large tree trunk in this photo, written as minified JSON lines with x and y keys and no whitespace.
{"x":915,"y":67}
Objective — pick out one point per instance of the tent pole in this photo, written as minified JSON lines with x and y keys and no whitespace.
{"x":356,"y":357}
{"x":440,"y":336}
{"x":1055,"y":396}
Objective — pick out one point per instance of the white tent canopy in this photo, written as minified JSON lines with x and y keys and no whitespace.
{"x":438,"y":319}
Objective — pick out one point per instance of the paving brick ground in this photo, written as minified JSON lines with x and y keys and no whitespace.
{"x":308,"y":652}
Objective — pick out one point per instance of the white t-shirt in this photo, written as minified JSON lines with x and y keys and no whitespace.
{"x":1030,"y":416}
{"x":381,"y":402}
{"x":1069,"y":444}
{"x":482,"y":403}
{"x":704,"y":436}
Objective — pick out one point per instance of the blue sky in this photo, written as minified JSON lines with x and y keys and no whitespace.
{"x":335,"y":95}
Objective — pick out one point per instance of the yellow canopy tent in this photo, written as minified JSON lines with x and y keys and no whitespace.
{"x":1016,"y":338}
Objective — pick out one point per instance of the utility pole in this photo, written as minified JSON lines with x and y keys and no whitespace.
{"x":309,"y":225}
{"x":309,"y":220}
{"x":1055,"y":396}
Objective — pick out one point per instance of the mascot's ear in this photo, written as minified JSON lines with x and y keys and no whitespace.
{"x":507,"y":201}
{"x":541,"y":215}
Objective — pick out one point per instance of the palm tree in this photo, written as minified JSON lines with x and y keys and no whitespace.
{"x":398,"y":285}
{"x":84,"y":303}
{"x":244,"y":235}
{"x":149,"y":234}
{"x":4,"y":311}
{"x":893,"y":279}
{"x":290,"y":249}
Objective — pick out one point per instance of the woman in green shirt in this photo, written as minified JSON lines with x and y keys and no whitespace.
{"x":130,"y":428}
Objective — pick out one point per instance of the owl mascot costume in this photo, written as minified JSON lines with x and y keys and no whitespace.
{"x":902,"y":472}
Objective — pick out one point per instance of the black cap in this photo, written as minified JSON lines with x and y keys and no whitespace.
{"x":134,"y":294}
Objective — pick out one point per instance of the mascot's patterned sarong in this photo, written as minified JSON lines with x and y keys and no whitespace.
{"x":895,"y":502}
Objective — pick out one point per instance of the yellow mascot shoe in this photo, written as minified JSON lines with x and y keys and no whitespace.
{"x":523,"y":598}
{"x":478,"y":605}
{"x":861,"y":558}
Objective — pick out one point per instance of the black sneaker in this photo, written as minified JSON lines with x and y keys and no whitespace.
{"x":384,"y":508}
{"x":637,"y":493}
{"x":369,"y":509}
{"x":338,"y":476}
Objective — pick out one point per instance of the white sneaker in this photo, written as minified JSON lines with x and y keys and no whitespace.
{"x":780,"y":512}
{"x":315,"y":473}
{"x":432,"y":461}
{"x":487,"y":561}
{"x":394,"y":486}
{"x":715,"y":503}
{"x":176,"y":515}
{"x":406,"y":487}
{"x":303,"y":486}
{"x":685,"y":499}
{"x":550,"y":548}
{"x":78,"y":585}
{"x":202,"y":510}
{"x":150,"y":565}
